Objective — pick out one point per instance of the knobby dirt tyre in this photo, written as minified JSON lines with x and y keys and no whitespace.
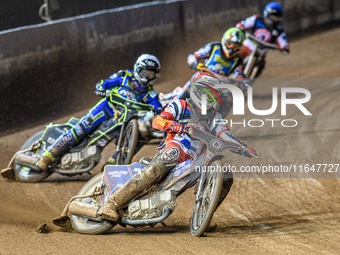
{"x":200,"y":219}
{"x":84,"y":225}
{"x":129,"y":143}
{"x":25,"y":174}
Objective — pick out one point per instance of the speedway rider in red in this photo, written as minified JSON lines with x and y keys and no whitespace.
{"x":175,"y":147}
{"x":267,"y":28}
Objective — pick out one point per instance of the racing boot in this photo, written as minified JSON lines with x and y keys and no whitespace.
{"x":38,"y":163}
{"x":44,"y":162}
{"x":141,"y":181}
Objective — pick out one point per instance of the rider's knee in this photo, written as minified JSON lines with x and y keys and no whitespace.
{"x":154,"y":171}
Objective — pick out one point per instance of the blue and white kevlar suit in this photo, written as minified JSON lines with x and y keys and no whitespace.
{"x":122,"y":83}
{"x":269,"y":34}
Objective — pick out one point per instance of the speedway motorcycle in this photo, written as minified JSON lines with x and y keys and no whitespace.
{"x":83,"y":157}
{"x":157,"y":203}
{"x":254,"y":63}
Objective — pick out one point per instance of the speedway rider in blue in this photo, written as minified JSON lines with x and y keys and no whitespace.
{"x":267,"y":28}
{"x":133,"y":85}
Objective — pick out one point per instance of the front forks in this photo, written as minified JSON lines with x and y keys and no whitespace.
{"x":119,"y":143}
{"x":199,"y":194}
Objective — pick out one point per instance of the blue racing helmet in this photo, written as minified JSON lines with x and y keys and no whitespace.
{"x":273,"y":11}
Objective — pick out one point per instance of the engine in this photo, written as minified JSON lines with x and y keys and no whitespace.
{"x":153,"y":206}
{"x":81,"y":159}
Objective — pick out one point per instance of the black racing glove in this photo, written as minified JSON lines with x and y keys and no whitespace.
{"x":102,"y":92}
{"x":285,"y":51}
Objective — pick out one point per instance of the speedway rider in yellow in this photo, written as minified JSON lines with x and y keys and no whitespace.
{"x":221,"y":58}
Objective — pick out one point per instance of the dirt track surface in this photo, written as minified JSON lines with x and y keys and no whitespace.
{"x":259,"y":216}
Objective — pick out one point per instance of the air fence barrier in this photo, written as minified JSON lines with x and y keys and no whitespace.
{"x":50,"y":68}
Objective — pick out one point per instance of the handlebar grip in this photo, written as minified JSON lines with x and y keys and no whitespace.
{"x":245,"y":151}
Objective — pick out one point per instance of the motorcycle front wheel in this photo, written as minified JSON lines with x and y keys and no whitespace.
{"x":206,"y":204}
{"x":129,"y":143}
{"x":84,"y":225}
{"x":26,"y":174}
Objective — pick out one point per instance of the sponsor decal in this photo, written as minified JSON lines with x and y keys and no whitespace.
{"x":78,"y":130}
{"x":263,"y":34}
{"x":62,"y":142}
{"x":216,"y":143}
{"x":275,"y":32}
{"x":123,"y":92}
{"x":153,"y":93}
{"x":102,"y":142}
{"x":87,"y":122}
{"x":170,"y":155}
{"x":178,"y":171}
{"x":99,"y":115}
{"x":118,"y":173}
{"x":50,"y":140}
{"x":126,"y":94}
{"x":218,"y":68}
{"x":186,"y":143}
{"x":151,"y":63}
{"x":60,"y":130}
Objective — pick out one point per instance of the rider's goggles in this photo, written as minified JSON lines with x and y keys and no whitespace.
{"x":233,"y":45}
{"x":144,"y":73}
{"x":275,"y":18}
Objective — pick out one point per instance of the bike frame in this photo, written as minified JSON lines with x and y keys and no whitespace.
{"x":130,"y":109}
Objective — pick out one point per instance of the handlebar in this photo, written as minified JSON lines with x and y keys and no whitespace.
{"x":222,"y":78}
{"x":217,"y":145}
{"x":243,"y":149}
{"x":262,"y":44}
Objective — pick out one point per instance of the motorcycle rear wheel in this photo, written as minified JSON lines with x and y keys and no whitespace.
{"x":26,"y":174}
{"x":85,"y":225}
{"x":129,"y":143}
{"x":204,"y":208}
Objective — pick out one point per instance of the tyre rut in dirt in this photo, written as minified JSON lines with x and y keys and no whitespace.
{"x":205,"y":208}
{"x":84,"y":225}
{"x":129,"y":143}
{"x":25,"y":174}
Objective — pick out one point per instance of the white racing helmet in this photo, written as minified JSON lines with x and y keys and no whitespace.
{"x":146,"y":69}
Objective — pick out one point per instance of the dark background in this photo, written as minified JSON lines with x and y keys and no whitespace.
{"x":17,"y":13}
{"x":49,"y":70}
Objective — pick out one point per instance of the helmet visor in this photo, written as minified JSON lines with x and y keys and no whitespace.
{"x":275,"y":18}
{"x":233,"y":45}
{"x":232,"y":50}
{"x":147,"y":74}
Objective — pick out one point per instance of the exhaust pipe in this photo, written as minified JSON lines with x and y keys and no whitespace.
{"x":77,"y":208}
{"x":80,"y":208}
{"x":25,"y":160}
